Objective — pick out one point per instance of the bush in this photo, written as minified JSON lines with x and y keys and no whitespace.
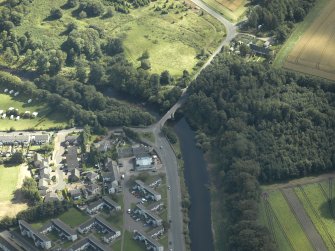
{"x":56,"y":13}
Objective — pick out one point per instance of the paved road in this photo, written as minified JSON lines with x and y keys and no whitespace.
{"x":306,"y":223}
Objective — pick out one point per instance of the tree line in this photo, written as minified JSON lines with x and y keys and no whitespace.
{"x":263,"y":125}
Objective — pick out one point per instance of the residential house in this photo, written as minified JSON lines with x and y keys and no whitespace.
{"x":156,"y":232}
{"x":71,"y":140}
{"x":72,"y":158}
{"x":63,"y":230}
{"x":156,"y":206}
{"x":39,"y":239}
{"x":92,"y":189}
{"x":75,"y":175}
{"x":92,"y":176}
{"x":75,"y":194}
{"x":7,"y":243}
{"x":99,"y":204}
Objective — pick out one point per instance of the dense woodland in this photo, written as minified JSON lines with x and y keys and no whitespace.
{"x":263,"y":124}
{"x":277,"y":17}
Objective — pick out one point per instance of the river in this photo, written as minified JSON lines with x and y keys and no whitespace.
{"x":196,"y":178}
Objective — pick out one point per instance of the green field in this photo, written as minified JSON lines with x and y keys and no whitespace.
{"x":45,"y":119}
{"x":297,"y":33}
{"x":172,"y":40}
{"x":288,"y":232}
{"x":8,"y":181}
{"x":74,"y":217}
{"x":315,"y":201}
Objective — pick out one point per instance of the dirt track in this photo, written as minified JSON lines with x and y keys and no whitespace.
{"x":305,"y":222}
{"x":314,"y":53}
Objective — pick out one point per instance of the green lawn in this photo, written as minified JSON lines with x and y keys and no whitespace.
{"x":288,"y":223}
{"x":116,"y":245}
{"x":8,"y":181}
{"x":45,"y":119}
{"x":316,"y":206}
{"x":172,"y":40}
{"x":74,"y":217}
{"x":132,"y":245}
{"x":298,"y":32}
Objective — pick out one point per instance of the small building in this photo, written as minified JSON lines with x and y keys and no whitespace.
{"x":88,"y":243}
{"x":150,"y":243}
{"x":75,"y":194}
{"x":143,"y":159}
{"x":39,"y":239}
{"x":148,"y":216}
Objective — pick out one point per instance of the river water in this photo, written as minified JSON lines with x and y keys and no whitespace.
{"x":196,"y":178}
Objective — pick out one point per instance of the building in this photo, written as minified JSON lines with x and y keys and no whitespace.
{"x":112,"y":175}
{"x":17,"y":139}
{"x":156,"y":206}
{"x":92,"y":189}
{"x":92,"y":176}
{"x":44,"y":173}
{"x":156,"y":232}
{"x":103,"y":226}
{"x":6,"y":242}
{"x":150,"y":243}
{"x":260,"y":50}
{"x":62,"y":229}
{"x":39,"y":139}
{"x":72,"y":158}
{"x":39,"y":239}
{"x":143,"y":158}
{"x":51,"y":196}
{"x":147,"y":191}
{"x":99,"y":204}
{"x":71,"y":140}
{"x":75,"y":175}
{"x":89,"y":243}
{"x":75,"y":194}
{"x":148,"y":216}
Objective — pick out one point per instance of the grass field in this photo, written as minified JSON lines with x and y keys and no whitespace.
{"x":74,"y":217}
{"x":8,"y":180}
{"x":233,"y":10}
{"x":45,"y":119}
{"x":131,"y":244}
{"x":172,"y":40}
{"x":314,"y":198}
{"x":281,"y":221}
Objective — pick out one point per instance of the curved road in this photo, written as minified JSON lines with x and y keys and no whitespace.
{"x":166,"y":153}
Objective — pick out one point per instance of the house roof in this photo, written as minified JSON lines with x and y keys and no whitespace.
{"x":94,"y":204}
{"x":72,"y":158}
{"x":148,"y":238}
{"x":113,"y":171}
{"x":75,"y":192}
{"x":87,"y":223}
{"x":27,"y":226}
{"x":63,"y":227}
{"x":149,"y":213}
{"x":110,"y":202}
{"x":105,"y":224}
{"x":141,"y":151}
{"x":144,"y":161}
{"x":92,"y":241}
{"x":147,"y":188}
{"x":92,"y":175}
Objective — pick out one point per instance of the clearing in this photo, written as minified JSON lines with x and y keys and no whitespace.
{"x":234,"y":10}
{"x":11,"y":179}
{"x":173,"y":40}
{"x":46,"y":119}
{"x":314,"y":53}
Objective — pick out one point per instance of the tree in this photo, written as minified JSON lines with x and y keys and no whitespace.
{"x":81,"y":73}
{"x":97,"y":72}
{"x":56,"y":13}
{"x":145,"y":64}
{"x":71,"y":3}
{"x":145,"y":55}
{"x":109,"y":13}
{"x":244,"y":50}
{"x":16,"y":159}
{"x":113,"y":46}
{"x":165,"y":78}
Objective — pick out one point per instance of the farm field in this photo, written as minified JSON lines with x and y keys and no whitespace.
{"x":172,"y":40}
{"x":314,"y":53}
{"x":45,"y":119}
{"x":314,"y":198}
{"x":285,"y":228}
{"x":231,"y":9}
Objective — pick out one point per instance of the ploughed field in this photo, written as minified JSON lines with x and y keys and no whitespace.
{"x":314,"y":53}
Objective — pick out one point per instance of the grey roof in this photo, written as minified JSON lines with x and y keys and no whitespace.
{"x":105,"y":224}
{"x":63,"y":227}
{"x":71,"y":158}
{"x":14,"y":138}
{"x":155,"y":230}
{"x":39,"y":236}
{"x":51,"y":197}
{"x":72,"y":139}
{"x":260,"y":49}
{"x":148,"y":238}
{"x":95,"y":243}
{"x":40,"y":137}
{"x":110,"y":202}
{"x":87,"y":223}
{"x":155,"y":204}
{"x":94,"y":204}
{"x":147,"y":188}
{"x":9,"y":244}
{"x":113,"y":171}
{"x":141,"y":151}
{"x":91,"y":175}
{"x":149,"y":213}
{"x":75,"y":192}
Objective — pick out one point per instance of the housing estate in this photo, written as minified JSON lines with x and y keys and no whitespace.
{"x":17,"y":139}
{"x":61,"y":228}
{"x":147,"y":191}
{"x":90,"y":243}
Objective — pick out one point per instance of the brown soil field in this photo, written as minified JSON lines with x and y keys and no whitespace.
{"x":232,"y":5}
{"x":314,"y":53}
